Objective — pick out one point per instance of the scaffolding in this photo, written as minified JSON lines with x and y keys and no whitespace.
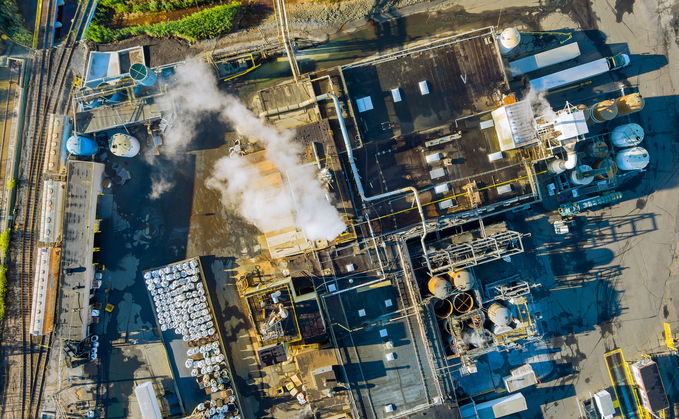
{"x":487,"y":249}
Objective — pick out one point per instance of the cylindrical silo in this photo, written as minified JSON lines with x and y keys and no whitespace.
{"x":499,"y":314}
{"x":463,"y":303}
{"x":631,"y":103}
{"x":509,"y":38}
{"x":579,"y":176}
{"x":124,"y":145}
{"x":81,"y":146}
{"x":602,"y":112}
{"x":635,"y":158}
{"x":443,"y":308}
{"x":605,"y":164}
{"x":463,"y":280}
{"x":596,"y":149}
{"x":440,"y":287}
{"x":142,"y":74}
{"x":628,"y":135}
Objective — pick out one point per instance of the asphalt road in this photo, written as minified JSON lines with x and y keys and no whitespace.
{"x":611,"y":283}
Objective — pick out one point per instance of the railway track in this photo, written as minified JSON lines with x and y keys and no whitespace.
{"x":48,"y":86}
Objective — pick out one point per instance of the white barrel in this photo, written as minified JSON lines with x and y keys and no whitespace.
{"x":628,"y":135}
{"x":635,"y":158}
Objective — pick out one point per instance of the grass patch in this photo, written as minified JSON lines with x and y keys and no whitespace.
{"x":13,"y":24}
{"x":198,"y":26}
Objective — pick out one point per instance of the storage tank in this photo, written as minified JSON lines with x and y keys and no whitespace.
{"x":603,"y":164}
{"x":463,"y":303}
{"x":440,"y":287}
{"x":596,"y":149}
{"x":499,"y":315}
{"x":635,"y":158}
{"x":124,"y":145}
{"x":463,"y":280}
{"x":81,"y":146}
{"x":443,"y":308}
{"x":142,"y":74}
{"x":509,"y":38}
{"x":602,"y":112}
{"x":631,"y":103}
{"x":628,"y":135}
{"x":578,"y":178}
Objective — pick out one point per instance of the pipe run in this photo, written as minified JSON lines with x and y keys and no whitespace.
{"x":559,"y":166}
{"x":357,"y":178}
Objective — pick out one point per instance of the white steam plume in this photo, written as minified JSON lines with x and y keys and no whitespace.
{"x":266,"y":205}
{"x":159,"y":185}
{"x":539,"y":104}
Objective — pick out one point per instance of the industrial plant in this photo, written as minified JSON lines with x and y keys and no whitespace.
{"x":381,"y":205}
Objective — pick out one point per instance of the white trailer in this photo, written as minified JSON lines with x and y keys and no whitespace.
{"x":544,"y":59}
{"x":581,"y":72}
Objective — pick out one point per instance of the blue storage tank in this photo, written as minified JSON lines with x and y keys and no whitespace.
{"x":81,"y":146}
{"x":142,"y":74}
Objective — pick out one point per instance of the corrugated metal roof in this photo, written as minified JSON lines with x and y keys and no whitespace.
{"x":544,"y":59}
{"x":514,"y":125}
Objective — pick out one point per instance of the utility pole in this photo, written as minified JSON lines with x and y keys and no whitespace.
{"x":284,"y":30}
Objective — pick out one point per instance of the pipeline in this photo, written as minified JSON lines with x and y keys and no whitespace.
{"x":357,"y":178}
{"x":559,"y":166}
{"x":352,"y":163}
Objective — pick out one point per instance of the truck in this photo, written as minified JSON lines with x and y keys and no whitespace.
{"x":544,"y":59}
{"x":579,"y":73}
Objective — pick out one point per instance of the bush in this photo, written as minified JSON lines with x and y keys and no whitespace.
{"x":3,"y":289}
{"x":4,"y":241}
{"x":201,"y":25}
{"x":11,"y":184}
{"x":13,"y":24}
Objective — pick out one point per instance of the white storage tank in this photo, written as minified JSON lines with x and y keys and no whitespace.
{"x":124,"y":145}
{"x":509,"y":38}
{"x":440,"y":287}
{"x":499,"y":315}
{"x":628,"y":135}
{"x":463,"y":279}
{"x":635,"y":158}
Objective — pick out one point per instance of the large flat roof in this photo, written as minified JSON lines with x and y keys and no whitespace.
{"x":84,"y":184}
{"x":376,"y":381}
{"x":462,"y":75}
